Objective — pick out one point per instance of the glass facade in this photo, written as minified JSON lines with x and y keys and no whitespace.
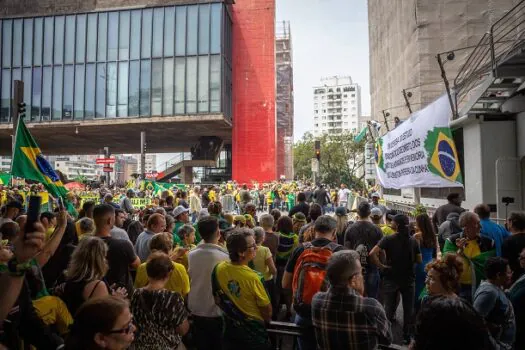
{"x":161,"y":61}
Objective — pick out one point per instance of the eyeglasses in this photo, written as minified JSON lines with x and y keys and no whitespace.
{"x":254,"y":246}
{"x":125,"y":330}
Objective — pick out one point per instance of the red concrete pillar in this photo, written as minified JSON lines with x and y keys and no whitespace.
{"x":254,"y":150}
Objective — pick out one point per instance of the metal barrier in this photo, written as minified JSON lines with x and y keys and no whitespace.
{"x":280,"y":330}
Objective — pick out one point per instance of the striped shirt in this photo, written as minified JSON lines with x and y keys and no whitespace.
{"x":287,"y":243}
{"x":345,"y":320}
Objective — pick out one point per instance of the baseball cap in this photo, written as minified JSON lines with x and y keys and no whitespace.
{"x":390,"y":214}
{"x":179,"y":210}
{"x":375,"y":194}
{"x":376,"y":212}
{"x":401,"y":220}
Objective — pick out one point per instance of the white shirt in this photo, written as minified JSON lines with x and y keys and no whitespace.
{"x":201,"y":262}
{"x":342,"y":195}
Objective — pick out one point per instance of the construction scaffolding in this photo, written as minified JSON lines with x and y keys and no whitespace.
{"x":284,"y":100}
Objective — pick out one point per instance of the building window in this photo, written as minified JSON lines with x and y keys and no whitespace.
{"x":316,"y":111}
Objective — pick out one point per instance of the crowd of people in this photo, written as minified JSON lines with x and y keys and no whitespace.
{"x":185,"y":272}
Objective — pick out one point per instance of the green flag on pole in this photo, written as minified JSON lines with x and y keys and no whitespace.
{"x":29,"y":163}
{"x":359,"y":137}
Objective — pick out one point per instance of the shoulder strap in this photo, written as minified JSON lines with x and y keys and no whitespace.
{"x":93,"y":290}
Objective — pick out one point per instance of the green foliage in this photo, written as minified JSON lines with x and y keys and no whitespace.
{"x":341,"y":156}
{"x":418,"y":210}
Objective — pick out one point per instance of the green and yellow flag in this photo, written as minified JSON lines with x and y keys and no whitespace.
{"x":359,"y":137}
{"x":29,"y":163}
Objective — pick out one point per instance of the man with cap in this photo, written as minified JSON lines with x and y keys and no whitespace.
{"x":108,"y":199}
{"x":375,"y":203}
{"x":11,"y":211}
{"x":126,"y":204}
{"x":182,"y":216}
{"x":376,"y":215}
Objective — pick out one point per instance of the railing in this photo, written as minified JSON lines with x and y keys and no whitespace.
{"x":504,"y":36}
{"x":175,"y":160}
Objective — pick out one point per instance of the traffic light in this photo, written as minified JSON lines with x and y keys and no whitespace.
{"x":317,"y":150}
{"x":21,"y":109}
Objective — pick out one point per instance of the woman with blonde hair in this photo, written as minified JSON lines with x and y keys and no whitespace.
{"x":85,"y":273}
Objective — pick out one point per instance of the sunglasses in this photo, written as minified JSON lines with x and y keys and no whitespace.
{"x":125,"y":330}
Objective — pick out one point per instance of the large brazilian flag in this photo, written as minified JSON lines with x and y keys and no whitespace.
{"x":29,"y":163}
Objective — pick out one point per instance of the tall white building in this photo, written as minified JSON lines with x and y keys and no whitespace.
{"x":76,"y":166}
{"x":337,"y":106}
{"x":151,"y":162}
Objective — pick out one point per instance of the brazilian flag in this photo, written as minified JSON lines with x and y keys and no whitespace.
{"x":29,"y":163}
{"x":378,"y":154}
{"x":359,"y":137}
{"x":442,"y":154}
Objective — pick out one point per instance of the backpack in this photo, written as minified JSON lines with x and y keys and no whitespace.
{"x":309,"y":275}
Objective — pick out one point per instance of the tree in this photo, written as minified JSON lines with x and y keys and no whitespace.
{"x":341,"y":157}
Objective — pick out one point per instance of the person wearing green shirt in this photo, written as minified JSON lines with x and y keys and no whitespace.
{"x":182,"y":216}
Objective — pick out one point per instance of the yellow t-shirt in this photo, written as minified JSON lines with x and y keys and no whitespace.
{"x":49,"y":232}
{"x":387,"y":230}
{"x":259,"y":262}
{"x":244,"y":288}
{"x":470,"y":251}
{"x":178,"y":282}
{"x":211,"y":195}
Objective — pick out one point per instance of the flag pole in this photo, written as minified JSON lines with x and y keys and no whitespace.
{"x":18,"y":98}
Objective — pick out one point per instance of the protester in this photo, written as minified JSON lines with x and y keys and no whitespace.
{"x":402,"y":254}
{"x":443,"y":275}
{"x":85,"y":274}
{"x":299,"y":220}
{"x":18,"y":316}
{"x":453,"y":206}
{"x":492,"y":303}
{"x":322,"y":198}
{"x":301,"y":205}
{"x":121,"y":256}
{"x":87,"y":210}
{"x":264,"y":264}
{"x":307,"y":232}
{"x":288,"y":241}
{"x":342,"y":196}
{"x":362,"y":236}
{"x":474,"y":250}
{"x":178,"y":279}
{"x":343,"y":223}
{"x":450,"y":323}
{"x":156,"y":224}
{"x":342,"y":317}
{"x":160,"y":314}
{"x":11,"y":211}
{"x":386,"y":228}
{"x":513,"y":245}
{"x":182,"y":217}
{"x":375,"y":203}
{"x":490,"y":229}
{"x":126,"y":204}
{"x":304,"y":261}
{"x":240,"y":293}
{"x":376,"y":215}
{"x":271,"y":239}
{"x":207,"y":320}
{"x":428,"y":244}
{"x":516,"y":294}
{"x":102,"y":323}
{"x":448,"y":228}
{"x":117,"y":232}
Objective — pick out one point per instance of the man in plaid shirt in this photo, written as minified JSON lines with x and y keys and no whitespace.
{"x":342,"y":317}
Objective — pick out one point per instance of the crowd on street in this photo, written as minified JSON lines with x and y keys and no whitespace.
{"x":218,"y":267}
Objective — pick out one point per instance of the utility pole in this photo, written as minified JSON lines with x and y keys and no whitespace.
{"x":407,"y":102}
{"x":18,"y":107}
{"x":143,"y":154}
{"x":385,"y":115}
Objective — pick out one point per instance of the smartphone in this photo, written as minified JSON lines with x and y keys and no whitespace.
{"x":60,"y":203}
{"x":33,"y":213}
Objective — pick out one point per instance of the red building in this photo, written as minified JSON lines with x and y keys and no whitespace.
{"x":254,"y":151}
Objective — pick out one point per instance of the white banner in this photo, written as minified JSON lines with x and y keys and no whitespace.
{"x":420,"y":152}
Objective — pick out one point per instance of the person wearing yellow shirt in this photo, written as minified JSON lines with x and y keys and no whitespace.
{"x":239,"y":292}
{"x":212,"y":194}
{"x":387,"y":227}
{"x":178,"y":280}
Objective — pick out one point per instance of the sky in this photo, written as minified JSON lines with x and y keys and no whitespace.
{"x":329,"y":37}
